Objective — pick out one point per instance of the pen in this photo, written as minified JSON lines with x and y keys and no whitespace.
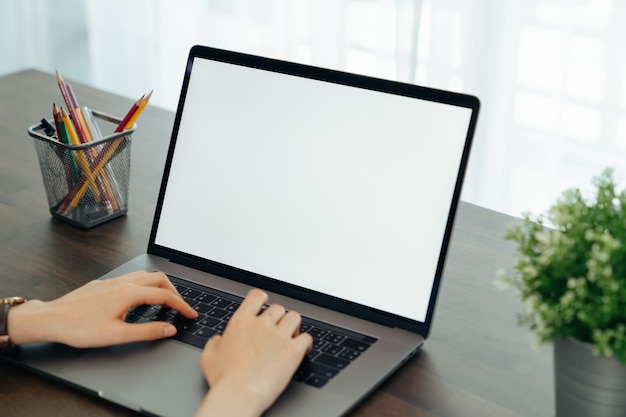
{"x":91,"y":124}
{"x":48,"y":127}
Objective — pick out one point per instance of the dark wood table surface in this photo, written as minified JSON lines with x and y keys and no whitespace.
{"x":477,"y":361}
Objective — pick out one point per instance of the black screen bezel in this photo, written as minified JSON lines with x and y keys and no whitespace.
{"x":337,"y":77}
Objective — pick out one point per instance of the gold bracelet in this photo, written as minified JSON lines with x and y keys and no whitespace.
{"x":6,"y":346}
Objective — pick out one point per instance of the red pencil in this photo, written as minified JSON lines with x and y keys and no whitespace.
{"x":55,"y":115}
{"x":129,"y":115}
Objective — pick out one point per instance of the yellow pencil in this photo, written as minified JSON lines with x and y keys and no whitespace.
{"x":142,"y":105}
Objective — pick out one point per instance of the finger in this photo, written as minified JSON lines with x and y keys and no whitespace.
{"x":210,"y":347}
{"x":153,"y":279}
{"x":135,"y":332}
{"x":290,"y":323}
{"x":274,"y":313}
{"x":252,"y":303}
{"x":212,"y":343}
{"x":304,"y":342}
{"x":128,"y":276}
{"x":161,"y":296}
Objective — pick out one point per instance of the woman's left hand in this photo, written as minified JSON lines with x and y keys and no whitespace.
{"x":93,"y":315}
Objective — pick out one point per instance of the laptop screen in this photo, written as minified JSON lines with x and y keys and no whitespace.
{"x":343,"y":190}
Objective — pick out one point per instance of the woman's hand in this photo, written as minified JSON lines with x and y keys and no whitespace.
{"x":93,"y":315}
{"x":251,"y":364}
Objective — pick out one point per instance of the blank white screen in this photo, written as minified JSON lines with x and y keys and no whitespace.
{"x":337,"y":189}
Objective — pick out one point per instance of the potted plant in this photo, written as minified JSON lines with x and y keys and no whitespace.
{"x":571,"y":274}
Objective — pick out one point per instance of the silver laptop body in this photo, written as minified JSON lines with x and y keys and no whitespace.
{"x":334,"y":192}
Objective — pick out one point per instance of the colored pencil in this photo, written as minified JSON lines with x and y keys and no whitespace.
{"x":129,"y":115}
{"x":70,"y":108}
{"x":91,"y":153}
{"x":79,"y":115}
{"x":69,"y":135}
{"x":67,"y":158}
{"x":72,"y":199}
{"x":78,"y":127}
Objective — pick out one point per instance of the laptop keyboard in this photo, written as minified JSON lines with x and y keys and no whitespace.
{"x":334,"y":348}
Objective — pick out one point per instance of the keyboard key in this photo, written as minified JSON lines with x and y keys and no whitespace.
{"x":312,"y":354}
{"x":205,"y":298}
{"x":332,"y":361}
{"x":190,"y":301}
{"x":221,"y":302}
{"x":160,"y":315}
{"x":178,"y":320}
{"x":314,"y":368}
{"x":316,"y":381}
{"x":324,"y":371}
{"x":191,"y":293}
{"x":300,"y":375}
{"x":233,"y":307}
{"x":202,"y":307}
{"x":349,"y":354}
{"x":180,"y":288}
{"x":218,"y":313}
{"x":355,"y":344}
{"x":189,"y":326}
{"x":206,"y":333}
{"x":332,"y":349}
{"x":191,"y":339}
{"x":132,"y":318}
{"x":334,"y":338}
{"x":209,"y":322}
{"x":317,"y":333}
{"x":318,"y":344}
{"x":144,"y":311}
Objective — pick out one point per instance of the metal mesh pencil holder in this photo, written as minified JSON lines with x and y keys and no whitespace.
{"x":86,"y":184}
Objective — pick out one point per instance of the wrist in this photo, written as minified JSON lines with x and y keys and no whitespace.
{"x":231,"y":400}
{"x":26,"y":323}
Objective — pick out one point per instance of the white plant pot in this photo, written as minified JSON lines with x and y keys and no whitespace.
{"x":587,"y":385}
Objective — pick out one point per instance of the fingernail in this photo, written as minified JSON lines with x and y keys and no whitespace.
{"x":169,"y":330}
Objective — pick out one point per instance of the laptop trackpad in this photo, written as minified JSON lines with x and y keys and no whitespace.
{"x":137,"y":375}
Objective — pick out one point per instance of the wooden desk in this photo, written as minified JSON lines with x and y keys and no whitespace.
{"x":477,"y":362}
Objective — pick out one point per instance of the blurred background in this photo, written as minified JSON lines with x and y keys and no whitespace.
{"x":551,"y":74}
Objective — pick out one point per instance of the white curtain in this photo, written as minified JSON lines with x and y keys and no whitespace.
{"x":550,"y":73}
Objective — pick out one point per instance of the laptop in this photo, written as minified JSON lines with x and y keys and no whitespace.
{"x":333,"y":192}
